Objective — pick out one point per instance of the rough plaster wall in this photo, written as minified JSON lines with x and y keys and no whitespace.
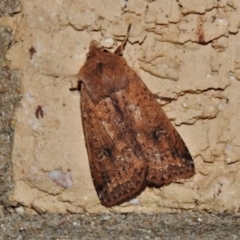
{"x":184,"y":50}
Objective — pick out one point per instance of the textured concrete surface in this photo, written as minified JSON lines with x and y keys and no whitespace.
{"x":10,"y":94}
{"x":183,"y":50}
{"x":16,"y":220}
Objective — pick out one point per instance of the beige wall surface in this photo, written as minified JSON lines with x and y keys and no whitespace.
{"x":184,"y":50}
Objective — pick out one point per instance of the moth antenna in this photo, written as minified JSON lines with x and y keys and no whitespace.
{"x":119,"y":50}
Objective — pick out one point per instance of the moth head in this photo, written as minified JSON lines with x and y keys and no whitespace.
{"x":94,"y":44}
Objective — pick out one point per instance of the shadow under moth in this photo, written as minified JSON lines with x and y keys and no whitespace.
{"x":130,"y":141}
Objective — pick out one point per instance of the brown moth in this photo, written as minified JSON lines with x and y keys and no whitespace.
{"x":131,"y":143}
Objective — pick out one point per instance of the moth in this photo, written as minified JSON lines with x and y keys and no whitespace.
{"x":130,"y":141}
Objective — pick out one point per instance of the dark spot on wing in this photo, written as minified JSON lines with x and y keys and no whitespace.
{"x":100,"y":67}
{"x":158,"y":133}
